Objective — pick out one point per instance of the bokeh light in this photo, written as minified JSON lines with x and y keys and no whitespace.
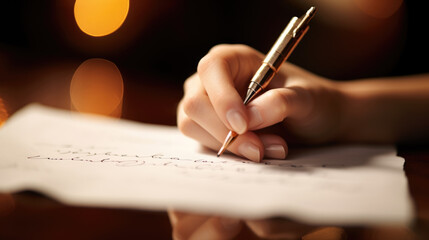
{"x":3,"y":113}
{"x":100,"y":17}
{"x":379,"y":8}
{"x":97,"y":87}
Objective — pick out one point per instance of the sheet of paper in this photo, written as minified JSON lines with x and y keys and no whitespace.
{"x":95,"y":161}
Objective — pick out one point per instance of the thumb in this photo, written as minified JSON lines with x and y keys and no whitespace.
{"x":277,"y":104}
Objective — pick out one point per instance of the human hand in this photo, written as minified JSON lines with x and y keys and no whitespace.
{"x":297,"y":106}
{"x":194,"y":226}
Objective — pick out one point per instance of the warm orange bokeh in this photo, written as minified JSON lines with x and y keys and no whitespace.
{"x":379,"y":8}
{"x":100,"y":17}
{"x":97,"y":87}
{"x":3,"y":113}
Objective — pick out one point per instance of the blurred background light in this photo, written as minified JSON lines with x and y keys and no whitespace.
{"x":97,"y":87}
{"x":3,"y":113}
{"x":100,"y":17}
{"x":379,"y":8}
{"x":159,"y":44}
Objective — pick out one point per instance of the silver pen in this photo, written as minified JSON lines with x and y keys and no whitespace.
{"x":278,"y":54}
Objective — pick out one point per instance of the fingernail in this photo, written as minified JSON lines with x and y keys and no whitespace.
{"x":255,"y":117}
{"x":229,"y":224}
{"x":250,"y":151}
{"x":275,"y":151}
{"x":236,"y":120}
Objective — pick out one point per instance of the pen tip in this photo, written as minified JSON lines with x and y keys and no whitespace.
{"x":222,"y":149}
{"x":228,"y":140}
{"x":250,"y":94}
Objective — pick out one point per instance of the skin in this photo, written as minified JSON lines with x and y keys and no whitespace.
{"x":309,"y":109}
{"x":192,"y":226}
{"x":214,"y":94}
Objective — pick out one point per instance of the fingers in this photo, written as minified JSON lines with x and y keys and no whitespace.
{"x":197,"y":106}
{"x":197,"y":119}
{"x":329,"y":233}
{"x":274,"y":146}
{"x":275,"y":105}
{"x":187,"y":225}
{"x":192,"y":226}
{"x":224,"y":73}
{"x":286,"y":229}
{"x":175,"y":216}
{"x":191,"y":129}
{"x":278,"y":229}
{"x":217,"y":228}
{"x":212,"y":105}
{"x":247,"y":145}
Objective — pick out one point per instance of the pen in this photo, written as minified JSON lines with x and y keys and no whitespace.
{"x":285,"y":44}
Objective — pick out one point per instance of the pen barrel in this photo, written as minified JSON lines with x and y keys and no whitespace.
{"x":262,"y":77}
{"x":281,"y":50}
{"x":284,"y":45}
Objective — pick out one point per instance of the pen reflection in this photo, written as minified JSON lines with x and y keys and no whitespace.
{"x":97,"y":87}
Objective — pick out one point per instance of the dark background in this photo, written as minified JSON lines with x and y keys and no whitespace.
{"x":160,"y":43}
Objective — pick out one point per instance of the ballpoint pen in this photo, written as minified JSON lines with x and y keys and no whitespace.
{"x":285,"y":44}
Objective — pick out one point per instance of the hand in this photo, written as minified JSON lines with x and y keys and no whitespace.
{"x":193,"y":226}
{"x":298,"y":106}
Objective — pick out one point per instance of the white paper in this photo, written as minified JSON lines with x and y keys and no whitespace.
{"x":95,"y":161}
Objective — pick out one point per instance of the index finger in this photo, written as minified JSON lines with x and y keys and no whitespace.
{"x":225,"y":72}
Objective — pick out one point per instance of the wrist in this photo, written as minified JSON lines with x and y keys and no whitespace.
{"x":362,"y":113}
{"x":347,"y":102}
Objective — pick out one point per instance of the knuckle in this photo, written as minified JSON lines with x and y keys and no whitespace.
{"x":220,"y":48}
{"x":286,"y":100}
{"x":244,"y":48}
{"x":191,"y":105}
{"x":204,"y":63}
{"x":264,"y":231}
{"x":281,"y":103}
{"x":188,"y":84}
{"x":186,"y":126}
{"x":219,"y":54}
{"x":207,"y":62}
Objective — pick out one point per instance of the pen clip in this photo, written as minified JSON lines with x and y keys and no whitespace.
{"x":303,"y":22}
